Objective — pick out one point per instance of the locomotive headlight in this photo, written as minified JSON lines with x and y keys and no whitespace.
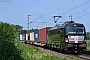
{"x":66,"y":39}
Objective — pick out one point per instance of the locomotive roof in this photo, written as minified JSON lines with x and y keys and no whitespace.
{"x":71,"y":24}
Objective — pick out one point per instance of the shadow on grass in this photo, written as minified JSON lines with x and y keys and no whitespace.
{"x":8,"y":51}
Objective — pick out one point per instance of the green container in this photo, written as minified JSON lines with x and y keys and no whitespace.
{"x":17,"y":37}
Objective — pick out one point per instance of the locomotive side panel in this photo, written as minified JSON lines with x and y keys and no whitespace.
{"x":56,"y":38}
{"x":54,"y":35}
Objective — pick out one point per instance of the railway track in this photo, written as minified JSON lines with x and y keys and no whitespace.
{"x":83,"y":56}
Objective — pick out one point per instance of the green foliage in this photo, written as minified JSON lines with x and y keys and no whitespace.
{"x":54,"y":35}
{"x":23,"y":31}
{"x":53,"y":38}
{"x":32,"y":53}
{"x":6,"y":31}
{"x":32,"y":30}
{"x":8,"y":51}
{"x":55,"y":31}
{"x":88,"y":35}
{"x":17,"y":28}
{"x":88,"y":44}
{"x":26,"y":31}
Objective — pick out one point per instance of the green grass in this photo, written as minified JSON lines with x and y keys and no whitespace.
{"x":88,"y":44}
{"x":32,"y":53}
{"x":28,"y":52}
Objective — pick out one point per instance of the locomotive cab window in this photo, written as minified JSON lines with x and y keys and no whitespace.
{"x":80,"y":30}
{"x":75,"y":29}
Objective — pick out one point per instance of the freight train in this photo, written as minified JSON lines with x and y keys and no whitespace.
{"x":69,"y":37}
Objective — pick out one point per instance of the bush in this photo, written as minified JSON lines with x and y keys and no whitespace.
{"x":8,"y":50}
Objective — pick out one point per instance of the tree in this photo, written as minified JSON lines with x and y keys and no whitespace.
{"x":17,"y":28}
{"x":6,"y":31}
{"x":8,"y":50}
{"x":23,"y":31}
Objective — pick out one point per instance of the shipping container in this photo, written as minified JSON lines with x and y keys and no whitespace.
{"x":32,"y":36}
{"x":36,"y":35}
{"x":43,"y":34}
{"x":20,"y":36}
{"x":28,"y":36}
{"x":17,"y":37}
{"x":23,"y":36}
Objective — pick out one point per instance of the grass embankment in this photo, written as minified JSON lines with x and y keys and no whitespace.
{"x":88,"y":44}
{"x":32,"y":53}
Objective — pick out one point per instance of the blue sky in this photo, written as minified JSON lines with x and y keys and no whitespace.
{"x":16,"y":11}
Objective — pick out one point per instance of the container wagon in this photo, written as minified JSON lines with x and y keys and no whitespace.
{"x":27,"y":38}
{"x":32,"y":38}
{"x":22,"y":38}
{"x":42,"y":36}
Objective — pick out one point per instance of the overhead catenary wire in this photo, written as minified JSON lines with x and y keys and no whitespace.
{"x":75,"y":7}
{"x":59,"y":8}
{"x":36,"y":19}
{"x":68,"y":10}
{"x":81,"y":10}
{"x":49,"y":19}
{"x":64,"y":6}
{"x":64,"y":19}
{"x":82,"y":16}
{"x":53,"y":11}
{"x":83,"y":13}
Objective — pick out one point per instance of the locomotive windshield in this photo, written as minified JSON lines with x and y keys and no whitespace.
{"x":75,"y":29}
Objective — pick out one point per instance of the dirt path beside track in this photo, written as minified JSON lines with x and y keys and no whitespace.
{"x":60,"y":55}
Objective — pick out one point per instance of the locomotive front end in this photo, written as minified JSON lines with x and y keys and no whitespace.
{"x":75,"y":37}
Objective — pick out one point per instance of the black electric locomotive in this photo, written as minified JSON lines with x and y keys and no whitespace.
{"x":69,"y":37}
